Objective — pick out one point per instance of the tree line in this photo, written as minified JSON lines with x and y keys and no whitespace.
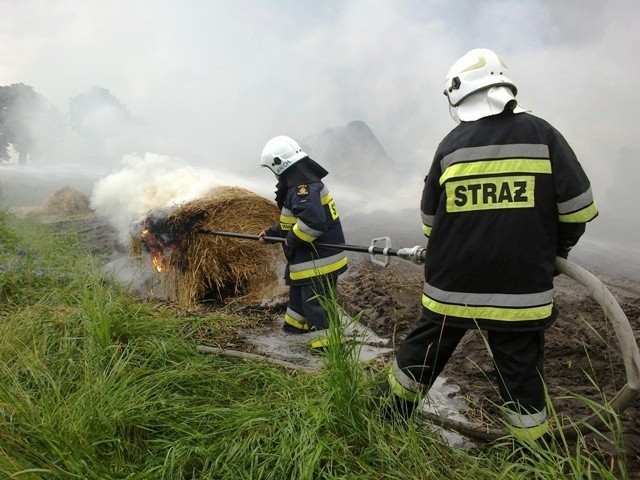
{"x":31,"y":127}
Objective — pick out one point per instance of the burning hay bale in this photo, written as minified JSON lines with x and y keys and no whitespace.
{"x":67,"y":201}
{"x":198,"y":267}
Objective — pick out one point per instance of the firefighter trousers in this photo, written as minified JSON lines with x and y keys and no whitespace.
{"x":304,"y":311}
{"x":518,"y":359}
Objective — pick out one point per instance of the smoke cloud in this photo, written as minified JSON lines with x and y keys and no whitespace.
{"x":147,"y":183}
{"x":213,"y":81}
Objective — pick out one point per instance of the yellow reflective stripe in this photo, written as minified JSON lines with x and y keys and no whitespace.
{"x":295,"y":323}
{"x":326,"y":199}
{"x":491,"y":193}
{"x":398,"y":389}
{"x":316,"y":263}
{"x":295,"y":315}
{"x":507,"y":151}
{"x":581,"y":216}
{"x":531,"y":433}
{"x":320,"y":342}
{"x":490,"y":313}
{"x":306,"y":229}
{"x":286,"y":222}
{"x":426,"y":230}
{"x":500,"y":300}
{"x":427,"y":219}
{"x":302,"y":235}
{"x":576,"y":203}
{"x":492,"y":167}
{"x":526,"y":420}
{"x":318,"y":270}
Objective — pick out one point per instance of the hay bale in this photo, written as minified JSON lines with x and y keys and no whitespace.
{"x":68,"y":201}
{"x":218,"y":269}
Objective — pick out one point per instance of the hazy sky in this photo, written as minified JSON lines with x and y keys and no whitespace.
{"x":216,"y":79}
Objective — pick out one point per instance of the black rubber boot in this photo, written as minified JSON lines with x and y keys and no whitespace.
{"x":291,"y":330}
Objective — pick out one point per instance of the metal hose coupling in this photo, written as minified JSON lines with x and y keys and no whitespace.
{"x":415,"y":254}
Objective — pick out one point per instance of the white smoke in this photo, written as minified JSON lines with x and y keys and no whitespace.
{"x":146,"y":183}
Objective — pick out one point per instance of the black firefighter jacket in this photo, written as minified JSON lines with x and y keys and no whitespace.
{"x":308,"y":215}
{"x":505,"y":194}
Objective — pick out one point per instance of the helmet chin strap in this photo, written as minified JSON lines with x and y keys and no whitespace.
{"x":485,"y":103}
{"x":453,"y":111}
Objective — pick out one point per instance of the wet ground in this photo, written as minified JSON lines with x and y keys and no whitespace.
{"x":583,"y":362}
{"x":267,"y":342}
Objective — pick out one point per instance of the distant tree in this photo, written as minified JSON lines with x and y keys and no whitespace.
{"x":98,"y":126}
{"x":25,"y":116}
{"x":97,"y":110}
{"x":102,"y":119}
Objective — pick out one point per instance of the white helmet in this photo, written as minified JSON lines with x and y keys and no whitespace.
{"x":478,"y":85}
{"x":280,"y":153}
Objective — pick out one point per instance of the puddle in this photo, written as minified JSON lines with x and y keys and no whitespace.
{"x":442,"y":399}
{"x":295,"y":348}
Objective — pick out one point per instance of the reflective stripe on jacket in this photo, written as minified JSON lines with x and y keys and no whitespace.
{"x":504,"y":196}
{"x":308,"y":215}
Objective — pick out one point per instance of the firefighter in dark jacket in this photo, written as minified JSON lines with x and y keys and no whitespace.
{"x":308,"y":214}
{"x":504,"y":195}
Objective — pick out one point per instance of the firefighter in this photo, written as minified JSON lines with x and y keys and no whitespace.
{"x":307,"y":214}
{"x":504,"y":195}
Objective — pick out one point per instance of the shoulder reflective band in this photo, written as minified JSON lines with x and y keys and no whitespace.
{"x":495,"y":152}
{"x":327,"y":200}
{"x":495,"y":167}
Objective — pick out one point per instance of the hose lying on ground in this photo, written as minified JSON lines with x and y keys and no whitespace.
{"x":626,"y":339}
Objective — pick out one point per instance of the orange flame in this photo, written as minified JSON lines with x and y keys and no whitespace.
{"x":159,"y":248}
{"x":158,"y":261}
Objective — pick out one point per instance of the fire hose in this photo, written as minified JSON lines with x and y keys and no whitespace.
{"x":611,"y":309}
{"x":629,"y":392}
{"x":414,"y":254}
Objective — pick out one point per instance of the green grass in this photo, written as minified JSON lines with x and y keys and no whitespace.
{"x":99,"y":385}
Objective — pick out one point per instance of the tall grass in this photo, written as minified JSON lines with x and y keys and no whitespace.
{"x":96,"y":384}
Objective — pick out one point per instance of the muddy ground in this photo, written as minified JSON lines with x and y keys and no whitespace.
{"x":582,"y":361}
{"x":582,"y":357}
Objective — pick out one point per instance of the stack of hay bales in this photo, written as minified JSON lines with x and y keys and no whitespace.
{"x":217,"y":269}
{"x":67,"y":201}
